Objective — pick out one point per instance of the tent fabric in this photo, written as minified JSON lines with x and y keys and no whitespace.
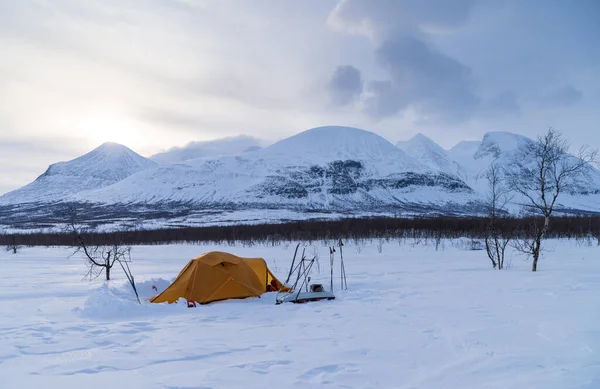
{"x":218,"y":276}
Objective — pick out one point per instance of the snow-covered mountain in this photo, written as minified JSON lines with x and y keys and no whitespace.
{"x":328,"y":168}
{"x":476,"y":157}
{"x":325,"y":171}
{"x":506,"y":149}
{"x":463,"y":152}
{"x":210,"y":149}
{"x":426,"y":151}
{"x":103,"y":166}
{"x":326,"y":144}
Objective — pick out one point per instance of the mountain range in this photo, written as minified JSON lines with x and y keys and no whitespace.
{"x":322,"y":172}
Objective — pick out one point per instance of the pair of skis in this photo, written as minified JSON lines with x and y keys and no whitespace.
{"x":343,"y":282}
{"x":303,"y":270}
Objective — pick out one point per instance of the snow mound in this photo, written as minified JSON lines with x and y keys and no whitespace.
{"x":119,"y":302}
{"x":145,"y":289}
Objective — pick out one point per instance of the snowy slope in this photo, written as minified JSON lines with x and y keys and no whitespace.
{"x":326,"y":144}
{"x":496,"y":147}
{"x":324,"y":170}
{"x":210,"y":149}
{"x":505,"y":150}
{"x":462,"y":153}
{"x":426,"y":151}
{"x":326,"y":167}
{"x":103,"y":166}
{"x":412,"y":317}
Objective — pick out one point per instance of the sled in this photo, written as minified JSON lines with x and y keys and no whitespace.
{"x":301,"y":291}
{"x":317,"y":293}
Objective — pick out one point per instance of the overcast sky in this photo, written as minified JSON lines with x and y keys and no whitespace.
{"x":152,"y":74}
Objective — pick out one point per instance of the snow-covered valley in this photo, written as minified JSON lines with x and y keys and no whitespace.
{"x":412,"y":317}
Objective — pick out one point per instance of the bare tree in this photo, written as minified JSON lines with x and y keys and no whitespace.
{"x":101,"y":258}
{"x":497,"y":199}
{"x":11,"y":243}
{"x":542,"y":171}
{"x":13,"y":247}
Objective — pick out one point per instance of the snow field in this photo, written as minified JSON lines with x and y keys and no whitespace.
{"x":413,"y":317}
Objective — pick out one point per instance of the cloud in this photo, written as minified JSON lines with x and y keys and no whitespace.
{"x":565,"y":96}
{"x":504,"y":103}
{"x":179,"y":71}
{"x":345,"y":85}
{"x":383,"y":100}
{"x":213,"y":125}
{"x":425,"y":78}
{"x":215,"y":148}
{"x":384,"y":18}
{"x":421,"y":76}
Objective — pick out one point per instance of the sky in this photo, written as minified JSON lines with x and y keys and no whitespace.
{"x":155,"y":74}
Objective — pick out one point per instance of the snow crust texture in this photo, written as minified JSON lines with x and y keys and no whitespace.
{"x":412,"y":317}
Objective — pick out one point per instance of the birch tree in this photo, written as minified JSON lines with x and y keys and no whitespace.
{"x":498,"y":197}
{"x":542,"y":171}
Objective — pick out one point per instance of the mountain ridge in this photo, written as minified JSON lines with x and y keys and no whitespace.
{"x":105,"y":165}
{"x":330,"y":169}
{"x":317,"y":167}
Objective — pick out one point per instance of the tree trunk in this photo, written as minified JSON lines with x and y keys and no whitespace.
{"x":535,"y":261}
{"x":546,"y":224}
{"x":490,"y":252}
{"x":107,"y":272}
{"x":538,"y":243}
{"x":14,"y":249}
{"x":536,"y":250}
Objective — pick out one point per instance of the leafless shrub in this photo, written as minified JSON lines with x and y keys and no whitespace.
{"x":380,"y":246}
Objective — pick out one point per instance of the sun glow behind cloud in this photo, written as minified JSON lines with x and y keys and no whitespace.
{"x":99,"y":126}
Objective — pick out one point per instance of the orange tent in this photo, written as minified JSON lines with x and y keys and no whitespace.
{"x":219,"y":276}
